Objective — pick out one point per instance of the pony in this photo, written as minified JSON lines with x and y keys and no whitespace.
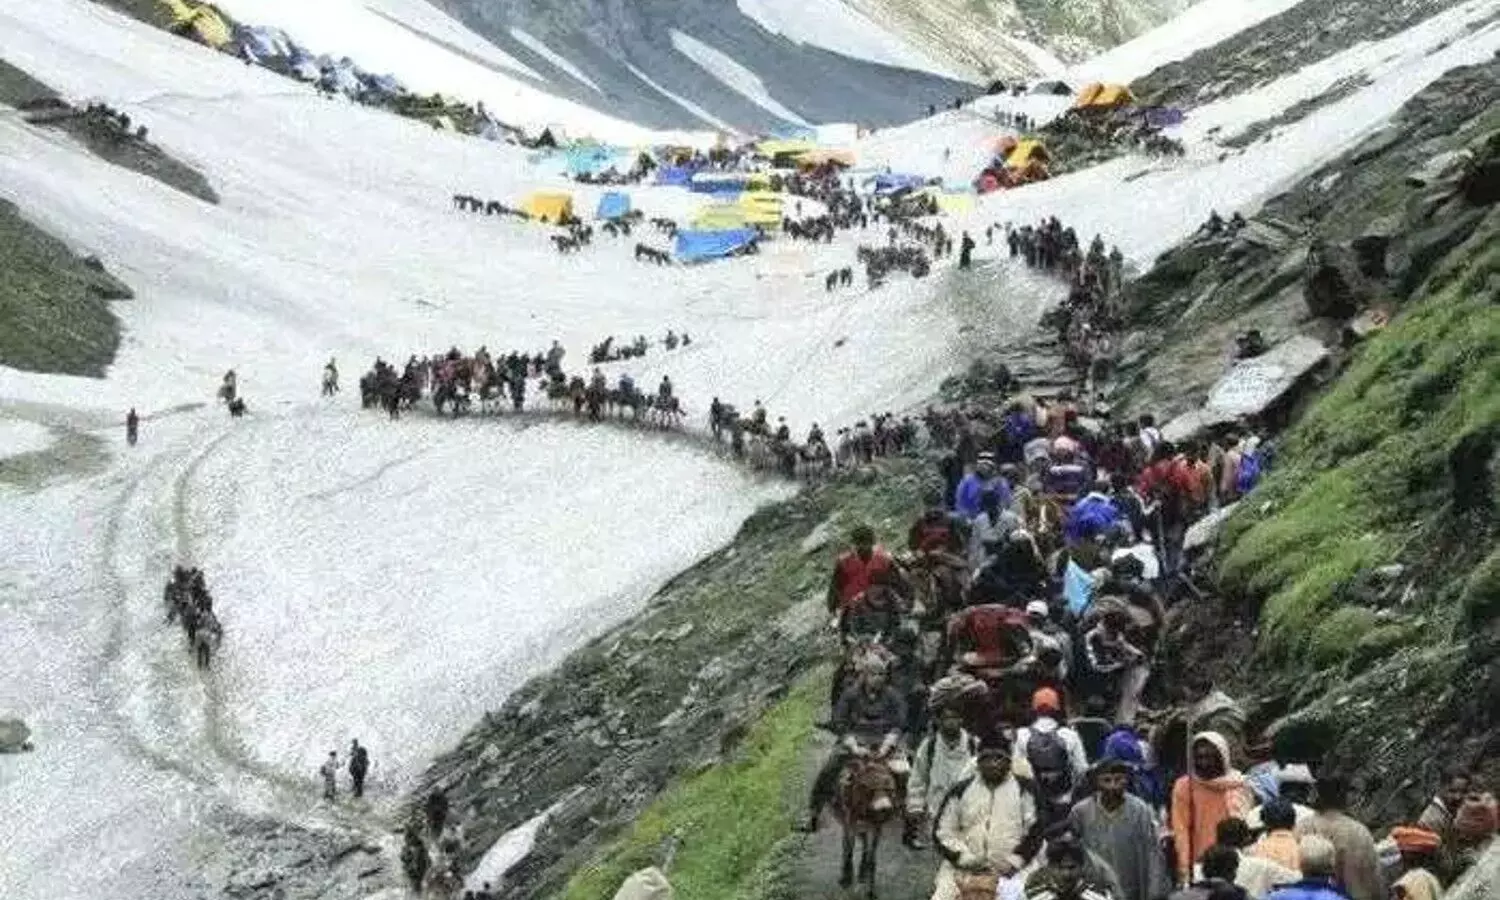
{"x":866,"y":800}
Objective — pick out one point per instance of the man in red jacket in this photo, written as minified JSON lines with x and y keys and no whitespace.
{"x":855,"y":569}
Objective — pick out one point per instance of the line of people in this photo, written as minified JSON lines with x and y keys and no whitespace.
{"x":1011,"y":644}
{"x":188,"y":601}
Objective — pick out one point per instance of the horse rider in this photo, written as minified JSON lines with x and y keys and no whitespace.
{"x":331,"y":377}
{"x":664,"y":391}
{"x":627,"y":385}
{"x":758,"y":417}
{"x":599,"y":382}
{"x":229,"y":386}
{"x":815,"y":436}
{"x":868,"y":719}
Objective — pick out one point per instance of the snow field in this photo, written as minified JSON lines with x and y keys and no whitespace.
{"x":18,"y":437}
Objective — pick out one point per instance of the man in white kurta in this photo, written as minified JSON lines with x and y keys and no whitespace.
{"x":986,"y":825}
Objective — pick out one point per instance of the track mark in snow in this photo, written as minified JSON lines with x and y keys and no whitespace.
{"x":366,"y":480}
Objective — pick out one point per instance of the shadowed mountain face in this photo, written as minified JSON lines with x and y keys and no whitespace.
{"x":620,"y":44}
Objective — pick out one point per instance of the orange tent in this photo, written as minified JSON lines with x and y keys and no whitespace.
{"x":1087,"y":95}
{"x":1113,"y":96}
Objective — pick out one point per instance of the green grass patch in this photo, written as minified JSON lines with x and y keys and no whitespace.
{"x":54,"y":307}
{"x":730,"y":818}
{"x":1364,"y":475}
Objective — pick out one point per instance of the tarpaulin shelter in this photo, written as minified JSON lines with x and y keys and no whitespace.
{"x":1104,"y":96}
{"x":549,"y":207}
{"x":201,"y":21}
{"x":1027,"y":152}
{"x":677,"y":176}
{"x":777,"y":146}
{"x":728,"y":182}
{"x":593,"y":158}
{"x":889,"y":182}
{"x":613,"y":205}
{"x":721,"y":217}
{"x":1054,"y":88}
{"x":700,"y":246}
{"x":1164,"y":116}
{"x":1005,"y":144}
{"x":955,"y":204}
{"x":762,"y":208}
{"x":820,"y":157}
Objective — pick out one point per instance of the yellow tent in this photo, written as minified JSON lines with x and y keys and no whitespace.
{"x":549,"y":207}
{"x":762,"y":208}
{"x":820,"y":157}
{"x":721,"y":217}
{"x":203,"y":21}
{"x":1112,"y":96}
{"x":1027,"y":152}
{"x":1087,"y":95}
{"x":955,"y":204}
{"x":777,"y":146}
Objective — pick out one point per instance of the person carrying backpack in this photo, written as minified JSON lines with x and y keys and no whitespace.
{"x":359,"y":767}
{"x":1054,"y":753}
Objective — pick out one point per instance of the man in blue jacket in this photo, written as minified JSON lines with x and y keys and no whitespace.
{"x":1319,"y":873}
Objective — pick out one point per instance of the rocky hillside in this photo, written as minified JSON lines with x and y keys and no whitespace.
{"x":674,"y":691}
{"x":809,"y":70}
{"x":980,"y":35}
{"x":1361,"y":581}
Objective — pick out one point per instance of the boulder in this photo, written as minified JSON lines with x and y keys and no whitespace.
{"x":1255,"y":385}
{"x":1206,"y":530}
{"x":1480,"y":182}
{"x":1332,"y":282}
{"x":647,"y":884}
{"x":1435,"y":169}
{"x":15,"y":737}
{"x":1371,"y":246}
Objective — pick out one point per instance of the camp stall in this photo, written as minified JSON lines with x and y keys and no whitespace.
{"x":813,"y":159}
{"x":762,"y":209}
{"x":613,"y":205}
{"x":1098,"y":96}
{"x":549,"y":207}
{"x":699,"y":246}
{"x":1028,"y":162}
{"x":783,"y":153}
{"x":721,"y":217}
{"x":199,"y":21}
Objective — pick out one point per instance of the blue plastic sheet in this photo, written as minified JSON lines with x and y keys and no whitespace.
{"x":698,"y":246}
{"x":613,"y":205}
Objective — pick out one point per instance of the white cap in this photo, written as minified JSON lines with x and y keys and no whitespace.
{"x":1296,"y":773}
{"x":1038,"y":608}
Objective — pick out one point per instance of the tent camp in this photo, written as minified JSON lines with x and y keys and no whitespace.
{"x":728,"y":182}
{"x":592,"y":159}
{"x":202,"y":22}
{"x":549,"y":207}
{"x":1052,"y":88}
{"x":613,"y":205}
{"x":699,"y":246}
{"x":762,"y":208}
{"x":783,"y":153}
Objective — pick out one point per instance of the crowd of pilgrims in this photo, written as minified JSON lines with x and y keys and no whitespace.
{"x":1001,"y":663}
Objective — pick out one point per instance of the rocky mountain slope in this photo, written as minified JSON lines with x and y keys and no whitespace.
{"x":1362,"y":576}
{"x":877,"y":62}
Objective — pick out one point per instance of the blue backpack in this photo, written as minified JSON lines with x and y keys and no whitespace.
{"x":1251,"y":467}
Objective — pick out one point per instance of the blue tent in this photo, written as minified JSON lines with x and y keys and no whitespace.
{"x":886,"y":183}
{"x":697,"y":246}
{"x":718,"y":182}
{"x":593,"y":158}
{"x":613,"y":205}
{"x":679,"y":176}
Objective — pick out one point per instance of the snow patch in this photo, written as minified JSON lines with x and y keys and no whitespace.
{"x":833,"y":25}
{"x":512,"y":847}
{"x":740,"y":79}
{"x":540,"y":49}
{"x":683,"y":102}
{"x":1201,"y":25}
{"x":17,"y":437}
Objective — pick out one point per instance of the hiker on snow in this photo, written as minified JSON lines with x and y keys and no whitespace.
{"x":330,"y":772}
{"x":359,"y":767}
{"x":132,"y":427}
